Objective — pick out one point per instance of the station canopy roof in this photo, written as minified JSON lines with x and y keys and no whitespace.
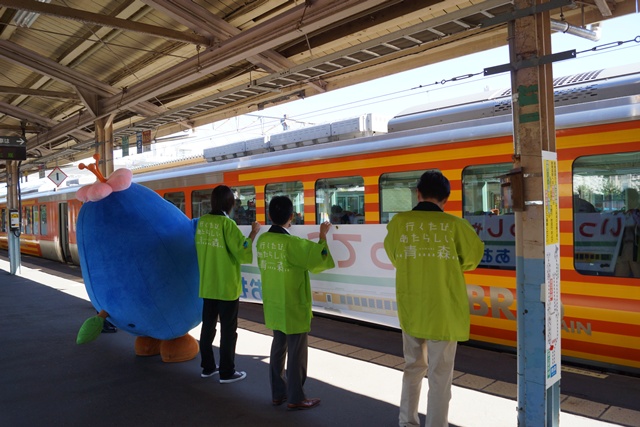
{"x":171,"y":65}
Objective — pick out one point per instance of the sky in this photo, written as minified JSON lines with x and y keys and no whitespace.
{"x":390,"y":95}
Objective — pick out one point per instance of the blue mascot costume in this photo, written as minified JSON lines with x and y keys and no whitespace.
{"x":139,"y":265}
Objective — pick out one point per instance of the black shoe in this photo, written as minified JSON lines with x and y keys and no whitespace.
{"x":207,"y":373}
{"x":237,"y":376}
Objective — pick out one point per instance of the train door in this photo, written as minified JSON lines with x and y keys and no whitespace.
{"x":63,"y":231}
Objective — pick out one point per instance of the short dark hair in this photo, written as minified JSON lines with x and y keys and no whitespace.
{"x":434,"y":185}
{"x":222,"y":199}
{"x":280,"y":209}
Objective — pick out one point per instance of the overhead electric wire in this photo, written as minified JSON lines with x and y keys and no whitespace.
{"x":406,"y":93}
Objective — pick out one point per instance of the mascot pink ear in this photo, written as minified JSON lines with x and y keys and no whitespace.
{"x":120,"y":179}
{"x":98,"y":191}
{"x":82,"y":194}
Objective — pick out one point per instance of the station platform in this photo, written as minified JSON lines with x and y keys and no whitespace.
{"x":48,"y":380}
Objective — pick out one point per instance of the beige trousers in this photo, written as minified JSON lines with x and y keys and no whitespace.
{"x":435,"y":358}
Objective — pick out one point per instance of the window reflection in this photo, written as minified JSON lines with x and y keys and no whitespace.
{"x":340,"y":200}
{"x":294,"y":191}
{"x":606,"y":214}
{"x":244,"y":212}
{"x":397,"y":193}
{"x":487,"y":213}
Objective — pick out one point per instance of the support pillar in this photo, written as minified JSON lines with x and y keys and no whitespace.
{"x":12,"y":203}
{"x":537,"y":235}
{"x":104,"y":144}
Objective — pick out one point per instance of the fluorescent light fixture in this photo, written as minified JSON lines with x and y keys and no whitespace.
{"x":24,"y":18}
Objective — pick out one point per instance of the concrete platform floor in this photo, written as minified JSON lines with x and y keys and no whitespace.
{"x":48,"y":380}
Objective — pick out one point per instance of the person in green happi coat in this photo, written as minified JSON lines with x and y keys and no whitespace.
{"x":431,"y":250}
{"x":285,"y":262}
{"x":221,"y":248}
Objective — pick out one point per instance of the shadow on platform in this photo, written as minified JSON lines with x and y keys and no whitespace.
{"x":50,"y":380}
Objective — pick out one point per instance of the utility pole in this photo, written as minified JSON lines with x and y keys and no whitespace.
{"x":537,"y":222}
{"x":14,"y":216}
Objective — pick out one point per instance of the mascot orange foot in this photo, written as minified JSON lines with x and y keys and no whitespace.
{"x":176,"y":350}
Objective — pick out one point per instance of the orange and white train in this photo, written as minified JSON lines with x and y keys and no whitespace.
{"x":360,"y":183}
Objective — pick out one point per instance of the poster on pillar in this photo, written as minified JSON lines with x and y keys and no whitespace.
{"x":125,"y":146}
{"x":551,"y":287}
{"x":146,"y":138}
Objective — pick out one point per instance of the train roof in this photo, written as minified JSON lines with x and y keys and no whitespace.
{"x":612,"y":99}
{"x":568,"y":90}
{"x":590,"y":98}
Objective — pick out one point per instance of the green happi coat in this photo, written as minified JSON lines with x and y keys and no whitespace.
{"x":285,"y":262}
{"x":430,"y":250}
{"x":221,"y":248}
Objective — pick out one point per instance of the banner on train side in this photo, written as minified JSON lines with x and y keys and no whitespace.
{"x":598,"y":239}
{"x":362,"y":285}
{"x":498,"y":233}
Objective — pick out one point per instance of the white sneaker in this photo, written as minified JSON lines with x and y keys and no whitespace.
{"x":237,"y":376}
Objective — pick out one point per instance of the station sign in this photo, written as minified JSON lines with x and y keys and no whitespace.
{"x":13,"y":148}
{"x":14,"y":221}
{"x":57,"y":176}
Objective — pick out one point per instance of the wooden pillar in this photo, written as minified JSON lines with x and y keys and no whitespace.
{"x":13,"y":204}
{"x":537,"y":268}
{"x":104,"y":144}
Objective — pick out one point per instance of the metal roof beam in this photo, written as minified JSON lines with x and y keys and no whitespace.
{"x":22,"y":114}
{"x":200,"y":19}
{"x":35,"y":62}
{"x":87,"y":47}
{"x":16,"y":128}
{"x":267,"y":82}
{"x":288,"y":26}
{"x":82,"y":135}
{"x":603,"y":7}
{"x":90,"y":100}
{"x":85,"y":84}
{"x":272,"y":33}
{"x":38,"y":93}
{"x":191,"y":15}
{"x":104,"y":21}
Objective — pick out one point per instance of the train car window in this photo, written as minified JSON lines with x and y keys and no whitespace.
{"x":28,"y":219}
{"x":483,"y":208}
{"x":340,"y":200}
{"x":44,"y":229}
{"x":177,"y":199}
{"x":244,"y":213}
{"x":200,"y":202}
{"x":606,"y":214}
{"x":293,"y":190}
{"x":36,"y":220}
{"x":397,"y":193}
{"x":3,"y":220}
